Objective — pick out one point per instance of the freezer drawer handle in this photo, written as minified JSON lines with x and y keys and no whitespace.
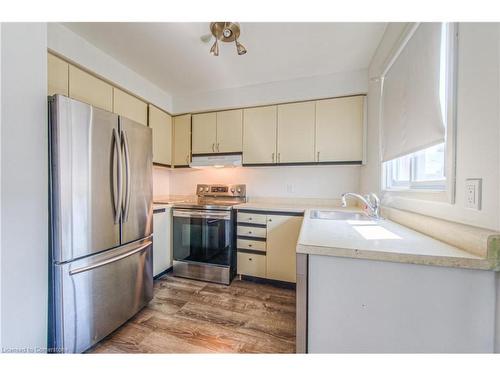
{"x":103,"y":263}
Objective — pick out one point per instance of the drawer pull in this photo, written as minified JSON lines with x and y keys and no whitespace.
{"x":249,"y":232}
{"x":250,"y":259}
{"x":249,"y":245}
{"x":249,"y":219}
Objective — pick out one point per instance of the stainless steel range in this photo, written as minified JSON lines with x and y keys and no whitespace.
{"x":204,"y":233}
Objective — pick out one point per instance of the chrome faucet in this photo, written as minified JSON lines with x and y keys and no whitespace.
{"x":370,"y":200}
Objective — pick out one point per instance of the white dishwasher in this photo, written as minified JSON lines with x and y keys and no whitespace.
{"x":162,"y":239}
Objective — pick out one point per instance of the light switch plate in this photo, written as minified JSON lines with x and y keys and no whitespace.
{"x":473,"y":188}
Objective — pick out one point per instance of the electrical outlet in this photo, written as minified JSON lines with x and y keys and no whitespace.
{"x":473,"y":193}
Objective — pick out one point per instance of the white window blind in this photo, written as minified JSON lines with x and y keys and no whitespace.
{"x":412,"y":117}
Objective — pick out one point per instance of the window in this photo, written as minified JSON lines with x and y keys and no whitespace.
{"x":421,"y":170}
{"x":426,"y":169}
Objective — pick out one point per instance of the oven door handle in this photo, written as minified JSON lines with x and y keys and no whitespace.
{"x":203,"y":214}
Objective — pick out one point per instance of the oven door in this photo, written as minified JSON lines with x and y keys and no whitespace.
{"x":202,"y":236}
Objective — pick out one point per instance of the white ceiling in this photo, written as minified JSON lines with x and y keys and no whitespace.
{"x":172,"y":56}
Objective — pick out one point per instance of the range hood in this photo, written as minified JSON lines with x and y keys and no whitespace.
{"x":216,"y":161}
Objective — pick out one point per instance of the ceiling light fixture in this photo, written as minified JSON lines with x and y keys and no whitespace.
{"x":227,"y":32}
{"x":214,"y":51}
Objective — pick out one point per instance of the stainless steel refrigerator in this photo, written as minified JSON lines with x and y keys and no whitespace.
{"x":101,"y":220}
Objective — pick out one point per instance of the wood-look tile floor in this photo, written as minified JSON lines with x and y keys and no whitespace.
{"x":189,"y":316}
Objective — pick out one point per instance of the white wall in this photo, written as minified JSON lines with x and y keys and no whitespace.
{"x":316,"y":87}
{"x":24,"y":186}
{"x":76,"y":49}
{"x":478,"y":126}
{"x":322,"y":182}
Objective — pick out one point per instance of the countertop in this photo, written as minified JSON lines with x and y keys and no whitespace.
{"x":382,"y":240}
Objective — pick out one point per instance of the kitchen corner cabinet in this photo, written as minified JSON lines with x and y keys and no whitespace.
{"x":89,"y":89}
{"x":182,"y":140}
{"x":259,"y":135}
{"x":282,"y":235}
{"x":266,"y":245}
{"x":130,"y":107}
{"x":230,"y":131}
{"x":204,"y":133}
{"x":57,"y":75}
{"x":340,"y":129}
{"x":161,"y":124}
{"x":296,"y":131}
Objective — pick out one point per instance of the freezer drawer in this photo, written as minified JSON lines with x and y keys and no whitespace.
{"x":95,"y":295}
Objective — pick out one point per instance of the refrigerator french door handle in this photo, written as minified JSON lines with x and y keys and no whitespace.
{"x":119,"y":190}
{"x":108,"y":261}
{"x":126,"y":203}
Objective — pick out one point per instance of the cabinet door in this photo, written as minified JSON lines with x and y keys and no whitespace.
{"x":259,"y":135}
{"x":182,"y":140}
{"x":161,"y":124}
{"x":204,"y":133}
{"x":296,"y":132}
{"x":282,"y":235}
{"x":89,"y":89}
{"x":339,"y":129}
{"x":57,"y":75}
{"x":162,"y":237}
{"x":130,"y":107}
{"x":230,"y":131}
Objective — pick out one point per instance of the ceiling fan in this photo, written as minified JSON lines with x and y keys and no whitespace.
{"x":226,"y":32}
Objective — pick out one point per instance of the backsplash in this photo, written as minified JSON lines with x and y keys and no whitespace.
{"x":323,"y":182}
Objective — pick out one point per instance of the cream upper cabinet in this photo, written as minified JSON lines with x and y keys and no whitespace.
{"x":161,"y":124}
{"x":130,"y":107}
{"x":204,"y":133}
{"x":282,"y":235}
{"x":57,"y":75}
{"x":296,"y":132}
{"x":89,"y":89}
{"x":182,"y":140}
{"x":229,"y":131}
{"x":259,"y":135}
{"x":340,"y":129}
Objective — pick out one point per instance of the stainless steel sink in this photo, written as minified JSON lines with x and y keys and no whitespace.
{"x":339,"y":215}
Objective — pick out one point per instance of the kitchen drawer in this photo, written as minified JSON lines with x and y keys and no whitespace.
{"x":251,"y":245}
{"x":252,"y":231}
{"x":251,"y":264}
{"x":245,"y":217}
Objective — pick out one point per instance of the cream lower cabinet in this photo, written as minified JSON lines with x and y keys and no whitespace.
{"x":204,"y":133}
{"x":282,"y":235}
{"x":182,"y":140}
{"x":266,"y":245}
{"x":57,"y":75}
{"x":89,"y":89}
{"x":340,"y":129}
{"x":259,"y":135}
{"x":296,"y":124}
{"x":161,"y":124}
{"x":129,"y":106}
{"x":162,"y":239}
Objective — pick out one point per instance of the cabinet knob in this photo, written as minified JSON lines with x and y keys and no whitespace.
{"x":249,"y":245}
{"x":249,"y":232}
{"x":250,"y":259}
{"x":270,"y":220}
{"x":249,"y":219}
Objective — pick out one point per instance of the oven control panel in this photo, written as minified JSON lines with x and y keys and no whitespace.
{"x":203,"y":190}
